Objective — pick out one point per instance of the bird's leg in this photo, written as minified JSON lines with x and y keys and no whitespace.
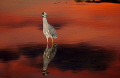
{"x":47,"y":42}
{"x":52,"y":41}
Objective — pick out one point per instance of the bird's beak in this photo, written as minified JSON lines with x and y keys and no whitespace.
{"x":47,"y":16}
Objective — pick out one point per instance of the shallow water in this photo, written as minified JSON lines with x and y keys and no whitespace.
{"x":88,"y":43}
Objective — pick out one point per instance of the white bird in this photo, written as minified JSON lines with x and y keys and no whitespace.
{"x":48,"y":30}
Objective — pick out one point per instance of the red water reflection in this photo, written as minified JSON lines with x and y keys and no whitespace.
{"x":96,"y":23}
{"x":78,"y":22}
{"x":15,"y":69}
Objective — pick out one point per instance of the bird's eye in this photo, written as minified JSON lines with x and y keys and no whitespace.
{"x":43,"y":13}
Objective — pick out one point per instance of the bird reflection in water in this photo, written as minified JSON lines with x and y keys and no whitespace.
{"x":48,"y":55}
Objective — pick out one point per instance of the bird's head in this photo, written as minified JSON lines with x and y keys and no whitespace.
{"x":44,"y":15}
{"x":45,"y":73}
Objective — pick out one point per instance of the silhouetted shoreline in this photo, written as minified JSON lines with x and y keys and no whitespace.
{"x":98,"y":1}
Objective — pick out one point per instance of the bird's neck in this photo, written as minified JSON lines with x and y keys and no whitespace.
{"x":45,"y":23}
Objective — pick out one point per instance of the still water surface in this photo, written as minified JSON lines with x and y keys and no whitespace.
{"x":88,"y":43}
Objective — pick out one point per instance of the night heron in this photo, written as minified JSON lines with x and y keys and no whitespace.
{"x":48,"y":56}
{"x":48,"y":30}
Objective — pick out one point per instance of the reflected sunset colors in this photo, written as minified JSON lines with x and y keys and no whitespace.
{"x":88,"y":43}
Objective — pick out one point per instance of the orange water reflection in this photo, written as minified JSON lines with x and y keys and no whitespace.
{"x":76,"y":22}
{"x":28,"y":63}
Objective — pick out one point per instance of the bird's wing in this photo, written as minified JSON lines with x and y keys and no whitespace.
{"x":52,"y":31}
